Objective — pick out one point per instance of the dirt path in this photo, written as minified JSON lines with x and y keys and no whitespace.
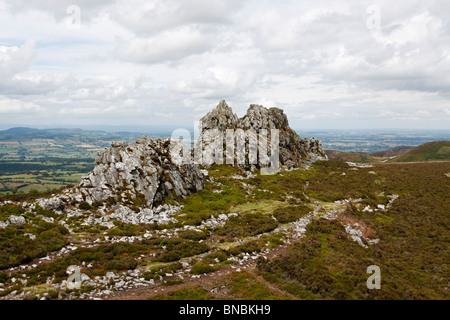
{"x":204,"y":281}
{"x":145,"y":293}
{"x":209,"y":279}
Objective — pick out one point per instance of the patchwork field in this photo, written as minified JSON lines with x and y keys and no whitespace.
{"x":33,"y":177}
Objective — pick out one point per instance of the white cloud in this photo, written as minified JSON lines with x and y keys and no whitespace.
{"x":8,"y":106}
{"x":16,"y":59}
{"x":167,"y":46}
{"x":58,"y":8}
{"x":216,"y":82}
{"x":171,"y":61}
{"x":157,"y":16}
{"x":33,"y":83}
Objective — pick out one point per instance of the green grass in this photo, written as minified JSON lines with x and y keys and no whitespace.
{"x":269,"y":193}
{"x":358,"y":157}
{"x":327,"y":183}
{"x":203,"y":268}
{"x":37,"y":181}
{"x":243,"y":285}
{"x":246,"y":225}
{"x":206,"y":203}
{"x":325,"y":265}
{"x":177,"y":250}
{"x":291,"y":213}
{"x":414,"y":235}
{"x":437,"y":150}
{"x":195,"y":293}
{"x":158,"y":270}
{"x":114,"y":257}
{"x":261,"y":206}
{"x":238,"y":286}
{"x":17,"y":248}
{"x":231,"y":197}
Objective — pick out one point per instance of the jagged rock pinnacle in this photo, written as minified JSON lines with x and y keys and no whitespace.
{"x":293,"y":150}
{"x":222,"y":117}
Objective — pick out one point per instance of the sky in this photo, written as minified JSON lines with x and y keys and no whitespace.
{"x":337,"y":64}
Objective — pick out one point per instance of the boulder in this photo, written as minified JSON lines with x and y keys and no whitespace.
{"x":142,"y":174}
{"x":17,"y":220}
{"x":55,"y":203}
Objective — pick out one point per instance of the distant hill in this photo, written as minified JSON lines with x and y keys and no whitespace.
{"x":360,"y":157}
{"x":23,"y":133}
{"x":20,"y":131}
{"x":432,"y":151}
{"x":438,"y":150}
{"x":63,"y":134}
{"x":394,"y":152}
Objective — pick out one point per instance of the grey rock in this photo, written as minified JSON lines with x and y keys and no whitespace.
{"x":293,"y":150}
{"x":17,"y":220}
{"x":143,"y":172}
{"x":222,"y":118}
{"x":55,"y":203}
{"x":48,"y":219}
{"x":85,"y":277}
{"x":4,"y":224}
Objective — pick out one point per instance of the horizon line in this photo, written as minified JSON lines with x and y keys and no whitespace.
{"x":126,"y":129}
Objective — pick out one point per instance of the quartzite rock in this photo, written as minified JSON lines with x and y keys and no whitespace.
{"x":293,"y":150}
{"x":142,"y":174}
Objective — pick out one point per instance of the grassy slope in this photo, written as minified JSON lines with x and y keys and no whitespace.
{"x":394,"y":152}
{"x":360,"y":157}
{"x":437,"y":150}
{"x":413,"y":252}
{"x":327,"y":264}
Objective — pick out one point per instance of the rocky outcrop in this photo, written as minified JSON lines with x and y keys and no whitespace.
{"x":312,"y":149}
{"x":129,"y":184}
{"x":139,"y":175}
{"x":293,"y":150}
{"x":222,"y":118}
{"x":259,"y":117}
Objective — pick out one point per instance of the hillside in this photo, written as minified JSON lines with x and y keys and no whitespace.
{"x":243,"y":237}
{"x":394,"y":152}
{"x":438,"y":150}
{"x":433,"y":151}
{"x":141,"y":226}
{"x":359,"y":157}
{"x":364,"y":157}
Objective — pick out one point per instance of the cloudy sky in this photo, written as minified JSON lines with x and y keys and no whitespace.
{"x":140,"y":64}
